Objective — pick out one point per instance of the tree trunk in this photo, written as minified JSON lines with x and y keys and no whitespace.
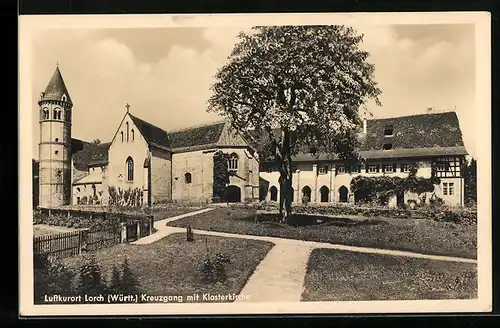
{"x":285,"y":179}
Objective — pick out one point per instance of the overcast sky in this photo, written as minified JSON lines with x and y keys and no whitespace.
{"x":165,"y":74}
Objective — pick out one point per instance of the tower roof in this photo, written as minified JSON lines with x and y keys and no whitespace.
{"x":56,"y":88}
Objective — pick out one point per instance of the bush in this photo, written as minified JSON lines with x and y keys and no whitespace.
{"x":91,"y":282}
{"x":129,"y":283}
{"x":213,"y":269}
{"x":51,"y":277}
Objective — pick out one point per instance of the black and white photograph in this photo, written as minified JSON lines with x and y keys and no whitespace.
{"x":248,"y":164}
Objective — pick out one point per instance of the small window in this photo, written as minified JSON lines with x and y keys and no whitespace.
{"x":132,"y":134}
{"x":78,"y":189}
{"x":233,"y":162}
{"x":451,"y":188}
{"x":78,"y":200}
{"x":323,"y":169}
{"x":387,"y":146}
{"x":57,"y":139}
{"x":340,"y":168}
{"x":187,"y":178}
{"x":122,"y":135}
{"x":388,"y":168}
{"x":406,"y":167}
{"x":388,"y":131}
{"x":445,"y":188}
{"x":269,"y":170}
{"x":127,"y":131}
{"x":372,"y":168}
{"x":57,"y":152}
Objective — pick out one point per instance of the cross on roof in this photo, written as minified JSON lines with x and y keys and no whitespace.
{"x":128,"y":106}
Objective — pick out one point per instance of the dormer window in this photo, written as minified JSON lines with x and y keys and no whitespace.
{"x":388,"y":131}
{"x":387,"y":146}
{"x":63,"y":98}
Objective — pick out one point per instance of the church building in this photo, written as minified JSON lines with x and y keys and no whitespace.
{"x":142,"y":161}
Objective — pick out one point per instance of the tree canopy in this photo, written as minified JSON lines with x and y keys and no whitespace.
{"x":290,"y":87}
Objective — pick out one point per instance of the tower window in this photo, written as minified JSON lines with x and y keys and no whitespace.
{"x":68,"y":115}
{"x":130,"y":169}
{"x":387,"y":146}
{"x":57,"y":114}
{"x":57,"y":139}
{"x":57,"y":152}
{"x":45,"y":113}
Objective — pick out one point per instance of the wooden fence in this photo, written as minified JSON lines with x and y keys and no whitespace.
{"x":76,"y":242}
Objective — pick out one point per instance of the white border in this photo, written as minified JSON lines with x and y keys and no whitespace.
{"x":482,"y":22}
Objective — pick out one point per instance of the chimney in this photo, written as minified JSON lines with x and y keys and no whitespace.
{"x":364,"y":125}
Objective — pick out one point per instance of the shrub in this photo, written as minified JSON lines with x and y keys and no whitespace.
{"x":90,"y":282}
{"x":115,"y":281}
{"x":214,"y":270}
{"x":50,"y":277}
{"x":129,"y":283}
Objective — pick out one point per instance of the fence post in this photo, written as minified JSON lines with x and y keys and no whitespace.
{"x":123,"y":233}
{"x":138,"y":224}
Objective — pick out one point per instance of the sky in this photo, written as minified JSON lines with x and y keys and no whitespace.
{"x":165,"y":73}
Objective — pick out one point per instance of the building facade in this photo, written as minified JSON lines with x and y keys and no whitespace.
{"x":432,"y":142}
{"x":146,"y":164}
{"x":142,"y":161}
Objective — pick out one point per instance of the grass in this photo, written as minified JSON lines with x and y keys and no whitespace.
{"x":334,"y":275}
{"x":416,"y":235}
{"x":172,"y":266}
{"x":164,"y":212}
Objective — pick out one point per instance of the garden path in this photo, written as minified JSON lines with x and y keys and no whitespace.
{"x":163,"y":230}
{"x":280,"y":276}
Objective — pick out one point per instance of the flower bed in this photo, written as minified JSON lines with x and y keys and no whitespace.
{"x":465,"y":216}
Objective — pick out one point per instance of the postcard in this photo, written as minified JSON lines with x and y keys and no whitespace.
{"x":255,"y":164}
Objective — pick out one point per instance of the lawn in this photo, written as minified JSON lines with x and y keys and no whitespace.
{"x":334,"y":275}
{"x":172,"y":266}
{"x":416,"y":235}
{"x":164,"y":212}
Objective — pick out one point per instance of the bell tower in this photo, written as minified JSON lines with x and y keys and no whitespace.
{"x":55,"y":107}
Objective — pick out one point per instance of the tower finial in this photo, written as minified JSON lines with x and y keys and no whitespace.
{"x":128,"y":106}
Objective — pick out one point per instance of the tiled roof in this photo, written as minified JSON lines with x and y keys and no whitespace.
{"x":88,"y":153}
{"x":422,"y":135}
{"x":154,"y":135}
{"x":415,"y":131}
{"x":56,"y":88}
{"x":203,"y":135}
{"x":88,"y":179}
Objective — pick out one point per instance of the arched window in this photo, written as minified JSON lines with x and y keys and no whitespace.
{"x":306,"y":194}
{"x":132,"y":134}
{"x":127,"y":130}
{"x":68,"y":115}
{"x":45,"y":113}
{"x":122,"y":135}
{"x":57,"y":113}
{"x":233,"y":162}
{"x":187,"y":178}
{"x":343,"y":193}
{"x":130,"y":169}
{"x":325,"y":194}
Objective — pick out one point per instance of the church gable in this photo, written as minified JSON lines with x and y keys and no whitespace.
{"x":128,"y":133}
{"x":230,"y":138}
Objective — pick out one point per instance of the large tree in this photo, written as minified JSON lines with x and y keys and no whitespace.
{"x":286,"y":87}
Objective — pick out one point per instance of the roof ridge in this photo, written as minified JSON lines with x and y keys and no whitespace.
{"x":140,"y":119}
{"x":412,"y":115}
{"x":198,"y":126}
